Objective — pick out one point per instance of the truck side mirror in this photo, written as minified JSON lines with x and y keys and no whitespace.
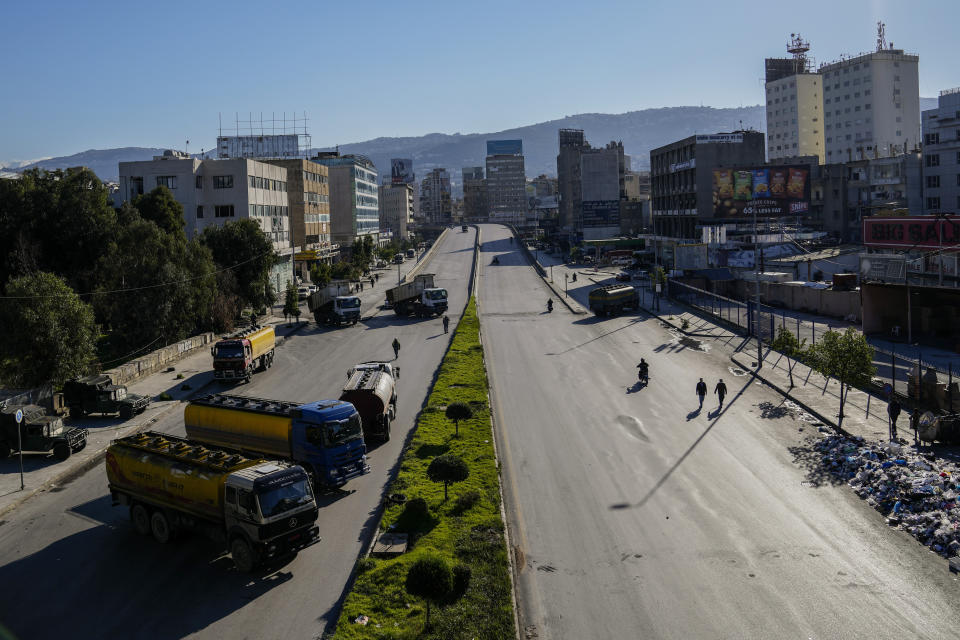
{"x":396,"y":372}
{"x":213,"y":351}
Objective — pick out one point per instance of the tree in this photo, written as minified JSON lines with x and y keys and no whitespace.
{"x":787,"y":344}
{"x":448,"y":469}
{"x":846,"y":356}
{"x":159,"y":206}
{"x":430,"y":578}
{"x":321,"y":273}
{"x":458,"y":411}
{"x":49,"y":333}
{"x":290,"y":303}
{"x":243,"y":248}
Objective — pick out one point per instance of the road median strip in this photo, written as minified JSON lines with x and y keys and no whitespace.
{"x":466,"y":530}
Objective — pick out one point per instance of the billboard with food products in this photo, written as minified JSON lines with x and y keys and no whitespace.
{"x":766,"y":191}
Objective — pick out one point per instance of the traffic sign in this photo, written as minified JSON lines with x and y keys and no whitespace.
{"x":19,"y":416}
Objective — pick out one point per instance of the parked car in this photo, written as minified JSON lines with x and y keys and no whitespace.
{"x":624,"y":276}
{"x":398,"y":259}
{"x":303,"y":293}
{"x":381,"y":264}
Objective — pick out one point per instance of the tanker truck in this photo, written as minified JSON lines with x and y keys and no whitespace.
{"x":418,"y":296}
{"x":372,"y":389}
{"x":238,"y":355}
{"x":325,"y":437}
{"x":258,"y":509}
{"x":613,"y":298}
{"x":334,"y":304}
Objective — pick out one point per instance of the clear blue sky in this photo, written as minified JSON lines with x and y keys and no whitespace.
{"x":98,"y":75}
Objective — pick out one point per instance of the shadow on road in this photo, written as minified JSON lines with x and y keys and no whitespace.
{"x":632,"y":322}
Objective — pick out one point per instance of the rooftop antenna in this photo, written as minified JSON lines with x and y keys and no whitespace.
{"x":881,"y":36}
{"x":798,"y":47}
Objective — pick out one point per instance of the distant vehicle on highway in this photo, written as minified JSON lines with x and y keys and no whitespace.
{"x":624,"y":276}
{"x":411,"y":253}
{"x":463,"y":228}
{"x":398,"y":259}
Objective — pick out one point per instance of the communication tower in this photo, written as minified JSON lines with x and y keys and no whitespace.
{"x":798,"y":48}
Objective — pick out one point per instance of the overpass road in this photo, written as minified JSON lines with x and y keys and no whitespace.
{"x":635,"y":515}
{"x":72,"y":566}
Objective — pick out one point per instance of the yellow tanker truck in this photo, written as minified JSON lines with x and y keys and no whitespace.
{"x":237,"y":356}
{"x":259,"y":509}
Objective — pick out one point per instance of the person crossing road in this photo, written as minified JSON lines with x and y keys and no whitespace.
{"x":396,"y":348}
{"x":721,"y":391}
{"x":446,"y":324}
{"x":701,"y":391}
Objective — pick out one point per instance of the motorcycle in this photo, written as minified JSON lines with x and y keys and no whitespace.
{"x":643,"y":374}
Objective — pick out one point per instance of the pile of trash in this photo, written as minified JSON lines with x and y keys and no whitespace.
{"x":916,"y":492}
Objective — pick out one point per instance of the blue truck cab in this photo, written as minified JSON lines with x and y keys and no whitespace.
{"x":327,"y":437}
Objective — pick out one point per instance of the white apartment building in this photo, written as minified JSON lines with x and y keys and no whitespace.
{"x":396,"y":209}
{"x":941,"y":154}
{"x":795,"y":121}
{"x":871,"y":105}
{"x":215,"y":191}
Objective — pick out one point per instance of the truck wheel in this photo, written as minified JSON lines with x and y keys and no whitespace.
{"x":160,"y":527}
{"x":243,"y":555}
{"x":61,"y":451}
{"x":140,"y":518}
{"x":76,"y":413}
{"x":126,"y":412}
{"x":4,"y":451}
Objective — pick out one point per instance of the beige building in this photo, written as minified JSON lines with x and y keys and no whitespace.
{"x":795,"y":120}
{"x":308,"y":188}
{"x":396,"y":209}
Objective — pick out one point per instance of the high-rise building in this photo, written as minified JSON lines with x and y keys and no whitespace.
{"x":308,"y":189}
{"x":354,"y":202}
{"x":435,"y":203}
{"x":396,"y":208}
{"x":602,"y":187}
{"x":794,"y":105}
{"x":572,"y":144}
{"x":871,"y":104}
{"x":941,"y":155}
{"x":475,"y":203}
{"x":506,"y":181}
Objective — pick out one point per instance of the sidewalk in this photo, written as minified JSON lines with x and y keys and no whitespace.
{"x":43,"y":471}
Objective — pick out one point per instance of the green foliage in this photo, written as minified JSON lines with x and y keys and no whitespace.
{"x":684,"y":324}
{"x":344,"y":271}
{"x":386,"y":253}
{"x":658,"y":276}
{"x":430,"y":578}
{"x":787,"y":344}
{"x":458,"y":411}
{"x":473,"y":537}
{"x":846,"y":356}
{"x":361,"y":252}
{"x":160,"y":207}
{"x":290,"y":304}
{"x":241,"y":244}
{"x":49,"y":335}
{"x":448,"y":469}
{"x":321,"y":274}
{"x":467,"y":500}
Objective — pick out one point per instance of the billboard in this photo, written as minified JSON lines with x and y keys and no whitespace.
{"x":504,"y":147}
{"x":721,"y":138}
{"x":270,"y":146}
{"x":766,"y":191}
{"x":401,"y":171}
{"x":601,"y":213}
{"x":919,"y":232}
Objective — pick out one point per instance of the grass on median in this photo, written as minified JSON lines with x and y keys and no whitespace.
{"x":466,"y":529}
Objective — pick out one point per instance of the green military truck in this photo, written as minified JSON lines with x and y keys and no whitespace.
{"x":38,"y":432}
{"x":97,"y":394}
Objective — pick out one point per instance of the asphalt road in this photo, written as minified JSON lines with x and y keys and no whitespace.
{"x":71,"y":565}
{"x":633,"y":515}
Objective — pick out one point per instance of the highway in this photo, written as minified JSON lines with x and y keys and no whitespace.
{"x":634,"y":515}
{"x":72,"y":566}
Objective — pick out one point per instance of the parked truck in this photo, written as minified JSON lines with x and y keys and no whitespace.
{"x":613,"y":298}
{"x":238,"y":356}
{"x":38,"y":432}
{"x":98,"y":394}
{"x":419,"y":297}
{"x":335,"y":304}
{"x":372,"y":388}
{"x":325,"y":437}
{"x":259,"y":509}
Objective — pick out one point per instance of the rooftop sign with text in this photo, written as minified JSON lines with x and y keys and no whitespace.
{"x":916,"y":232}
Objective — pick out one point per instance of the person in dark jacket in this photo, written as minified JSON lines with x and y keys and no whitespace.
{"x":701,"y":391}
{"x":893,"y":410}
{"x":721,"y":391}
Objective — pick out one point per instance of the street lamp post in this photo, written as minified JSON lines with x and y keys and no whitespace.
{"x":756,"y":265}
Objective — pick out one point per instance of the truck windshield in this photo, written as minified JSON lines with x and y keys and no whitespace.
{"x":276,"y":500}
{"x":229,"y":351}
{"x":343,"y":431}
{"x":350,"y":303}
{"x":437,"y":294}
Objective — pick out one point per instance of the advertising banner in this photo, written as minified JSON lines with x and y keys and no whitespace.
{"x":768,"y":191}
{"x":601,"y":213}
{"x":401,"y":171}
{"x":919,"y":232}
{"x":722,"y":138}
{"x":504,"y":147}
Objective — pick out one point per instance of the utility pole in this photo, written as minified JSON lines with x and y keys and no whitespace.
{"x":756,"y":265}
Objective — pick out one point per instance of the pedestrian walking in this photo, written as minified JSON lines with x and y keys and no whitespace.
{"x":446,"y":324}
{"x":893,"y":410}
{"x":361,"y":285}
{"x":701,"y":391}
{"x":396,"y":348}
{"x":915,"y":423}
{"x":371,"y":281}
{"x":721,"y":391}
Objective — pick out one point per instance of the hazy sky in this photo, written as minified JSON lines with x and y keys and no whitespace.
{"x":88,"y":75}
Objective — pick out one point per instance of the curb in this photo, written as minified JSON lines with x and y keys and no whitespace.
{"x":542,"y":272}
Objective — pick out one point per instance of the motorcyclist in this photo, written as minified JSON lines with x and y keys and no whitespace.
{"x":644,"y":370}
{"x":549,"y":305}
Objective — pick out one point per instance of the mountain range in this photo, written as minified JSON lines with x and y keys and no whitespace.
{"x":640,"y":131}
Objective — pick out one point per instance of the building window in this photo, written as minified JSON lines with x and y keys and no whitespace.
{"x":867,"y":106}
{"x":136,"y":186}
{"x":931,"y":138}
{"x":933,"y":203}
{"x":170,"y":182}
{"x":253,"y":182}
{"x":199,"y":182}
{"x":866,"y":92}
{"x":199,"y":210}
{"x":223,"y":210}
{"x":958,"y":179}
{"x":933,"y":182}
{"x":223,"y":182}
{"x":899,"y":133}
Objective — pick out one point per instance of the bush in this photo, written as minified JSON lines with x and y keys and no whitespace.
{"x":448,"y":469}
{"x":461,"y":580}
{"x":787,"y":344}
{"x":465,"y":501}
{"x":458,"y":411}
{"x":430,"y":578}
{"x":164,"y":396}
{"x":684,"y":324}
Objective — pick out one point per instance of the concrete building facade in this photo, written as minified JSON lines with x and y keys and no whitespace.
{"x":602,"y":188}
{"x":572,"y":145}
{"x":436,"y":205}
{"x":506,"y":185}
{"x":308,"y":190}
{"x":354,"y":203}
{"x":941,"y":155}
{"x":871,"y":105}
{"x":396,"y":209}
{"x":681,"y":178}
{"x":475,"y":202}
{"x":795,"y":122}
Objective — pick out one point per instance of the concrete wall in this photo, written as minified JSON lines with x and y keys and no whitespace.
{"x":159,"y":359}
{"x":825,"y":302}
